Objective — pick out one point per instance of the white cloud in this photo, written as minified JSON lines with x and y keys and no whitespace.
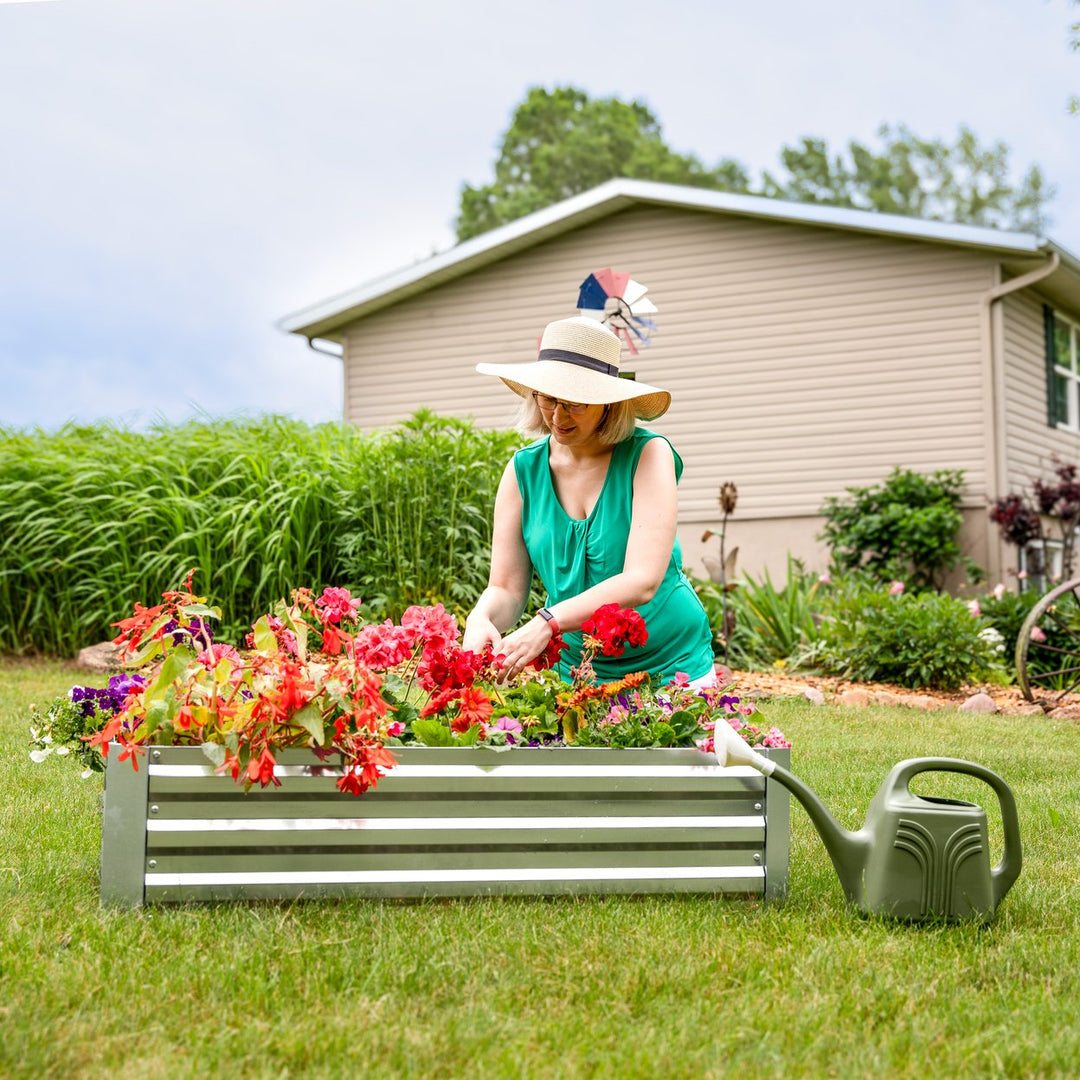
{"x":183,"y":173}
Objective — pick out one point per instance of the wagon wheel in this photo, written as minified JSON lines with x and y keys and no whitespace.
{"x":1051,"y":666}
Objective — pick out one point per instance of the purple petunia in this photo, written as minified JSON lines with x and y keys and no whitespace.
{"x":109,"y":700}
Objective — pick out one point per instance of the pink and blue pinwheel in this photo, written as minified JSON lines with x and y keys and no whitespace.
{"x":615,"y":298}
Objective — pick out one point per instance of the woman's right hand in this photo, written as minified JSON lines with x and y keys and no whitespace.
{"x":479,"y":633}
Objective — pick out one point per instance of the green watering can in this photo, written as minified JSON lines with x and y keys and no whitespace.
{"x":915,"y":858}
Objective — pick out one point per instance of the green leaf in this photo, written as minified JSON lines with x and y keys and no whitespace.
{"x":215,"y":752}
{"x":265,"y":641}
{"x":312,"y":721}
{"x":432,"y":733}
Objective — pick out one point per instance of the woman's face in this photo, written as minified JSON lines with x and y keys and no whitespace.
{"x":572,"y":424}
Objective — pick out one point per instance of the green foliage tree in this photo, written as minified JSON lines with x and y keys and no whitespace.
{"x":905,"y":528}
{"x":1074,"y":44}
{"x":926,"y":178}
{"x":560,"y":142}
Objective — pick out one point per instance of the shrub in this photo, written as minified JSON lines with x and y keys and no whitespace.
{"x":769,"y":624}
{"x":927,"y":640}
{"x":904,"y":528}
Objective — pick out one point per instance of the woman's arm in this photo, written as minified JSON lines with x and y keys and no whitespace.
{"x":653,"y":519}
{"x":500,"y":605}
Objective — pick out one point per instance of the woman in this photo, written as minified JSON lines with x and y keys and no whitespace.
{"x":592,"y":506}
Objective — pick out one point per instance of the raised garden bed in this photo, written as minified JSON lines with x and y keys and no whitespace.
{"x":445,"y":822}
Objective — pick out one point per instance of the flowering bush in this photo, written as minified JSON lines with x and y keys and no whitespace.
{"x":365,"y":690}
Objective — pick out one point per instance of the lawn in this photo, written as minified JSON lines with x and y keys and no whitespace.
{"x":596,"y":987}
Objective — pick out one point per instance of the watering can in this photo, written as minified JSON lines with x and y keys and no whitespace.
{"x":915,"y":857}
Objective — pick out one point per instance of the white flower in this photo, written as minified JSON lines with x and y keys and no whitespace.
{"x":999,"y":591}
{"x":62,"y":750}
{"x":992,"y":636}
{"x":86,"y":774}
{"x":39,"y":756}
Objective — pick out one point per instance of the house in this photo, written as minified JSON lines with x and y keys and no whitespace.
{"x":808,"y":348}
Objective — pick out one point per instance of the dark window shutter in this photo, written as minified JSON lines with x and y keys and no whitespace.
{"x":1056,"y":409}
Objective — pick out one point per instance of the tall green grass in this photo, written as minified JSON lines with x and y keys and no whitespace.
{"x":93,"y":519}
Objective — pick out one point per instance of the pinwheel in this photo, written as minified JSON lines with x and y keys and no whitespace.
{"x":616,"y":299}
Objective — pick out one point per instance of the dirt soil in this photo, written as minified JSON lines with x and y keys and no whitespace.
{"x":836,"y":691}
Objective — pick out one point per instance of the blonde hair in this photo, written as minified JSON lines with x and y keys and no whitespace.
{"x":618,"y":423}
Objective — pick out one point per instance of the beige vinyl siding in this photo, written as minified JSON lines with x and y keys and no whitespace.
{"x":1030,"y":442}
{"x":801,"y":360}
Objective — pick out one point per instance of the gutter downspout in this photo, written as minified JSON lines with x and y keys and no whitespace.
{"x":997,"y":372}
{"x":325,"y":352}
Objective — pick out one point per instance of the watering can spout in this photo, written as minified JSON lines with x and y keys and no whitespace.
{"x":847,"y":850}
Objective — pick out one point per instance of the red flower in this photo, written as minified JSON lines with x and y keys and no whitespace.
{"x":370,"y":763}
{"x":474,"y":708}
{"x":132,"y":630}
{"x":452,"y":667}
{"x":130,"y":750}
{"x":261,"y":769}
{"x":550,"y":655}
{"x":614,"y":628}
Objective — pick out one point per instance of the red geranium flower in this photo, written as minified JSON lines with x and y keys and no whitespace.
{"x":614,"y":628}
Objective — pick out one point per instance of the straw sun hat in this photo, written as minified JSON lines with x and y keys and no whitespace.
{"x":579,"y":361}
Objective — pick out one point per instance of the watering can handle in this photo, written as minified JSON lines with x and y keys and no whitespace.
{"x":1008,"y":870}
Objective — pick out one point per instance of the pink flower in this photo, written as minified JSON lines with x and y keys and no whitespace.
{"x":824,"y":579}
{"x":680,"y":678}
{"x":1021,"y":575}
{"x":435,"y":625}
{"x":896,"y":588}
{"x":973,"y":607}
{"x":218,"y":651}
{"x":383,"y":645}
{"x":999,"y":591}
{"x":336,"y":604}
{"x":1037,"y":634}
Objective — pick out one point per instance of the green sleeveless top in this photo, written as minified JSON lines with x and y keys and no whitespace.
{"x":571,"y":554}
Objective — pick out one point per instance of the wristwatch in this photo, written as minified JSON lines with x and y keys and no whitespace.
{"x":550,"y":619}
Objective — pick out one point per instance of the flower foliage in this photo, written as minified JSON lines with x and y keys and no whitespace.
{"x":365,"y":689}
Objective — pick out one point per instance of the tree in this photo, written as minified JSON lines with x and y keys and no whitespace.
{"x":561,"y":142}
{"x":925,"y":178}
{"x":1074,"y":44}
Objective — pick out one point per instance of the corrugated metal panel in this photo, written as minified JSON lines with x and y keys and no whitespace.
{"x":1030,"y":441}
{"x":449,"y":822}
{"x":801,"y":360}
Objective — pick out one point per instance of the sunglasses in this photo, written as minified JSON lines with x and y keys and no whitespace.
{"x":548,"y":403}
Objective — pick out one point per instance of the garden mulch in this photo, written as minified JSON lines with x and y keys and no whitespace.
{"x":830,"y":690}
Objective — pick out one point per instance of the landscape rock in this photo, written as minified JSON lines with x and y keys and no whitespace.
{"x":886,"y":697}
{"x":922,"y":701}
{"x":1031,"y":709}
{"x":813,"y":695}
{"x":979,"y":703}
{"x":1065,"y":712}
{"x":103,"y":657}
{"x":854,"y":697}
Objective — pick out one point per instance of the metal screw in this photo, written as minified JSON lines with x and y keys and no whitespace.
{"x":757,"y":806}
{"x":757,"y":856}
{"x":154,"y":809}
{"x":155,"y":754}
{"x":153,"y":862}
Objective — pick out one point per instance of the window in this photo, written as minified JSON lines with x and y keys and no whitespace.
{"x":1062,"y":371}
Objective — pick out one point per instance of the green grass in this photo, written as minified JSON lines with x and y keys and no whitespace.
{"x":592,"y":987}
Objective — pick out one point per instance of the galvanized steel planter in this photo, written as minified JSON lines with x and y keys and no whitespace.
{"x":445,"y":822}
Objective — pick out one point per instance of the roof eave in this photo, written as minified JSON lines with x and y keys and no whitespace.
{"x":327,"y":319}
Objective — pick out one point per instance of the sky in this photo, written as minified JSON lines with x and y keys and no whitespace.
{"x":177,"y":176}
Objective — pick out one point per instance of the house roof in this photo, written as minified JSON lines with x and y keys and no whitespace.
{"x":1018,"y":252}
